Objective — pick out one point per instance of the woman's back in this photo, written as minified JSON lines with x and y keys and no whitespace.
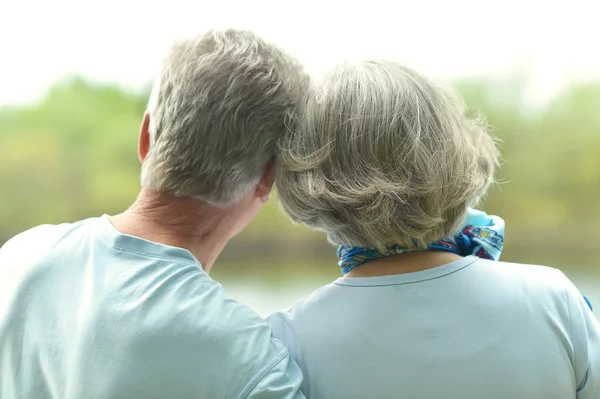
{"x":469,"y":329}
{"x":389,"y":164}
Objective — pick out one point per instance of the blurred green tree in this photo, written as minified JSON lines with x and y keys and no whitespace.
{"x":74,"y":155}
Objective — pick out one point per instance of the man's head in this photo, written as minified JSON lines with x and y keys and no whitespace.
{"x":215,"y":115}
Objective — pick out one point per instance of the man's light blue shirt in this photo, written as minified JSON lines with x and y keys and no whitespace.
{"x":87,"y":312}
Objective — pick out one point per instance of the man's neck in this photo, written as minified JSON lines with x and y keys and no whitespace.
{"x":202,"y":229}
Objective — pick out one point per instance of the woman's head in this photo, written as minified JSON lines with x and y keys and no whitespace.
{"x":380,"y":155}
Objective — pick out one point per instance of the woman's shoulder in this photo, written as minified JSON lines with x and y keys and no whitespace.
{"x":505,"y":279}
{"x":543,"y":284}
{"x":529,"y":274}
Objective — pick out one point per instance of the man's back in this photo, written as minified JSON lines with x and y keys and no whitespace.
{"x":87,"y":312}
{"x":469,"y":329}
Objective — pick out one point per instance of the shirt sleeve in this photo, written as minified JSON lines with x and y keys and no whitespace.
{"x":282,"y":381}
{"x":585,"y":330}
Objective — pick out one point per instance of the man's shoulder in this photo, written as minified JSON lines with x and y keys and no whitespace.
{"x":45,"y":235}
{"x":39,"y":244}
{"x":197,"y":310}
{"x":197,"y":330}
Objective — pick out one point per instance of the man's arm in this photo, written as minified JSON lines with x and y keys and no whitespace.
{"x":282,"y":380}
{"x":585,"y":330}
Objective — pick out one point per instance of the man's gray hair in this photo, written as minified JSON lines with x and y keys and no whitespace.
{"x":216,"y":112}
{"x":381,"y":155}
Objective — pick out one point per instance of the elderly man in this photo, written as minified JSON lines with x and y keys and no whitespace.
{"x":122,"y":306}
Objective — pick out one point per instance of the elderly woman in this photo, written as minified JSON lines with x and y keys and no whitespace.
{"x":386,"y":162}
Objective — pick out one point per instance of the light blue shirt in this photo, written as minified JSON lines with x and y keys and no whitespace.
{"x":87,"y":312}
{"x":469,"y":329}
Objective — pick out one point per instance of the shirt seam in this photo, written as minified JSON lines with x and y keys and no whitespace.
{"x":143,"y":253}
{"x":407,"y":282}
{"x":262,"y":374}
{"x":146,"y":254}
{"x":573,"y":341}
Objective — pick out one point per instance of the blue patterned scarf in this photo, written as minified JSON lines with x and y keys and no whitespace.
{"x":482,"y":235}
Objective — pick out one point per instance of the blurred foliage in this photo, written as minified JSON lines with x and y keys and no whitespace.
{"x":74,"y":155}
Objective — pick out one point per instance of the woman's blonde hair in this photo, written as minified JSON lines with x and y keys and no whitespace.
{"x":380,"y":155}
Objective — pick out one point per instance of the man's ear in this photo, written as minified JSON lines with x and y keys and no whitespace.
{"x":144,"y":139}
{"x":265,"y":185}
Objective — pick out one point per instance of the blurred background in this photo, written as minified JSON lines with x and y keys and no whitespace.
{"x":75,"y":78}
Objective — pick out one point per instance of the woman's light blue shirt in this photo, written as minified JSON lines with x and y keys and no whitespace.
{"x":469,"y":329}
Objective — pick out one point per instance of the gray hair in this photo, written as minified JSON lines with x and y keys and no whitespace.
{"x":381,"y":155}
{"x":216,"y":112}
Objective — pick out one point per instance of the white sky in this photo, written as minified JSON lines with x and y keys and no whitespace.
{"x":124,"y":41}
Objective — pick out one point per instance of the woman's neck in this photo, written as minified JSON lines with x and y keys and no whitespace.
{"x":406,"y":262}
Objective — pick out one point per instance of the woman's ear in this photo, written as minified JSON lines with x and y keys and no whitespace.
{"x":144,"y":139}
{"x":265,"y":185}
